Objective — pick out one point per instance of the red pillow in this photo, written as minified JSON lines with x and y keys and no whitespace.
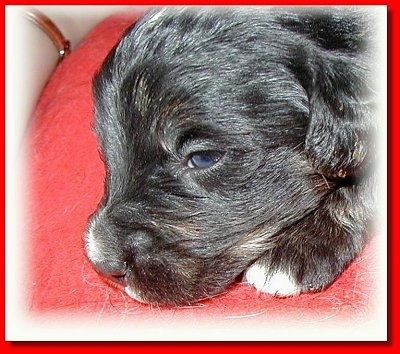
{"x":66,"y":183}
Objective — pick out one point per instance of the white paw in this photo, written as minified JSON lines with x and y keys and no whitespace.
{"x":277,"y":284}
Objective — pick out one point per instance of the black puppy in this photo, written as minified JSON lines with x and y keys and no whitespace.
{"x":235,"y":140}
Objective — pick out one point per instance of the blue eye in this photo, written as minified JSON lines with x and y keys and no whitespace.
{"x":203,"y":159}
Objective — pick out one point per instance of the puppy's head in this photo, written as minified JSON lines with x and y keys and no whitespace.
{"x":202,"y":118}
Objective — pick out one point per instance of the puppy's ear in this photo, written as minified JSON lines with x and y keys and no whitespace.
{"x":339,"y":139}
{"x":333,"y":66}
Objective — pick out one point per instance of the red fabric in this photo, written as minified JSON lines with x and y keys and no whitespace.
{"x":66,"y":183}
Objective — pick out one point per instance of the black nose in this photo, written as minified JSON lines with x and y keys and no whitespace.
{"x":114,"y":271}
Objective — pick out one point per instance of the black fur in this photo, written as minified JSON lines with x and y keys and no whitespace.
{"x":230,"y":137}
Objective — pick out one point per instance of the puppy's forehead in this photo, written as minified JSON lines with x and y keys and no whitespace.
{"x":192,"y":71}
{"x":160,"y":104}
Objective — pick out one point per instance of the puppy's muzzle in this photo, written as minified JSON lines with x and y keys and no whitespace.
{"x":115,"y":259}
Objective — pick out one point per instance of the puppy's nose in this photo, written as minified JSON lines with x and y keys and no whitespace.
{"x":114,"y":271}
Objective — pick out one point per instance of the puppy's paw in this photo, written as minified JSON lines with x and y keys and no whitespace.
{"x":276,"y":283}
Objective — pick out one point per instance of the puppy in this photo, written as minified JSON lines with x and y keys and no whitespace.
{"x":236,"y":141}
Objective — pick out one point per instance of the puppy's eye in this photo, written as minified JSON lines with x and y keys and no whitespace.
{"x":203,"y":159}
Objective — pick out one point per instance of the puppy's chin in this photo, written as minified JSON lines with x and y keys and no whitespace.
{"x":130,"y":291}
{"x":134,"y":295}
